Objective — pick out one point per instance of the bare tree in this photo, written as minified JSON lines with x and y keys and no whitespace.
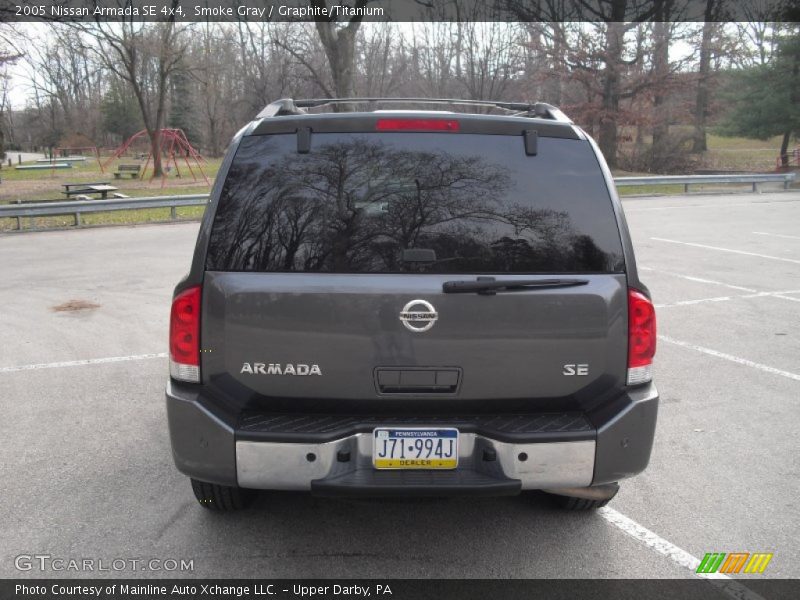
{"x":546,"y":62}
{"x":339,"y":42}
{"x":8,"y":54}
{"x":661,"y":70}
{"x":602,"y":56}
{"x":435,"y":59}
{"x":308,"y":67}
{"x":217,"y":74}
{"x":701,"y":105}
{"x":758,"y":32}
{"x":493,"y":56}
{"x":663,"y":80}
{"x":380,"y":60}
{"x":64,"y":72}
{"x":145,"y":55}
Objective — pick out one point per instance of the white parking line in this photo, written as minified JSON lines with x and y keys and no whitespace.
{"x":775,"y":295}
{"x":677,"y":555}
{"x":698,"y":279}
{"x":780,"y":295}
{"x":789,"y":260}
{"x":755,"y":294}
{"x":780,"y":235}
{"x":698,"y":301}
{"x":78,"y":363}
{"x":731,"y":357}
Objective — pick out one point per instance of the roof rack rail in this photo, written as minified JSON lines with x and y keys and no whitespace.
{"x":288,"y":106}
{"x":548,"y":111}
{"x":279,"y":108}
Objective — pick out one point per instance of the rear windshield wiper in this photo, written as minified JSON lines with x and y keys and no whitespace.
{"x":490,"y":285}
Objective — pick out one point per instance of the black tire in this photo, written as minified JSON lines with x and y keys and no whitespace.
{"x":222,"y":498}
{"x":578,"y":504}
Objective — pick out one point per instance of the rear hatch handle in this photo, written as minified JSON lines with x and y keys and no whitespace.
{"x":490,"y":285}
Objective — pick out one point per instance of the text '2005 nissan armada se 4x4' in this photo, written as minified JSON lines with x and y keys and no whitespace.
{"x":412,"y":302}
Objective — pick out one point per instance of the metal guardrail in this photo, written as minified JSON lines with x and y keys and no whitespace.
{"x":80,"y":207}
{"x":687,"y":180}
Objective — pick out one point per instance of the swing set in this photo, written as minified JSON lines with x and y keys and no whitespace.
{"x":174,"y":146}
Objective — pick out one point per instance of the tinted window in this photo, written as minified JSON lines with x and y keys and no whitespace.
{"x":403,"y":202}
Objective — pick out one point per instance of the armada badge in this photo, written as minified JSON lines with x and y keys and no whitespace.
{"x":279,"y":369}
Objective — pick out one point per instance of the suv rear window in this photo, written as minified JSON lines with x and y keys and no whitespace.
{"x":414,"y":202}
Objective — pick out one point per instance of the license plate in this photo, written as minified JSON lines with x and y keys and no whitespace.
{"x":415,"y":448}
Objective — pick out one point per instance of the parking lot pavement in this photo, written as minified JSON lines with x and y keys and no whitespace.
{"x":88,"y":473}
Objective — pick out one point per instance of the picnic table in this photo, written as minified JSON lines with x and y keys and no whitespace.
{"x":42,"y":167}
{"x":97,"y":187}
{"x":65,"y":159}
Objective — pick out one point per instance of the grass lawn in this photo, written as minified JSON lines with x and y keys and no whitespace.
{"x":46,"y":184}
{"x":117,"y":217}
{"x":729,"y":153}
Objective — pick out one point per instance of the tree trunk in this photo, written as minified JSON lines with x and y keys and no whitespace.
{"x":155,"y":149}
{"x":787,"y":136}
{"x":159,"y":125}
{"x":153,"y":131}
{"x":608,"y":139}
{"x":794,"y":98}
{"x":340,"y":48}
{"x":699,"y":143}
{"x":661,"y":66}
{"x":213,"y":137}
{"x":639,"y":137}
{"x":559,"y":50}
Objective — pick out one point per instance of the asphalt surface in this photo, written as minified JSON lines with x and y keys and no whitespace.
{"x":86,"y":468}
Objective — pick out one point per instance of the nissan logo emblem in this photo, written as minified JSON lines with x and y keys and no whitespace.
{"x":418,"y":315}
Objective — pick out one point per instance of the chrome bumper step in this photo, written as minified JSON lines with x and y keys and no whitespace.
{"x":373,"y":483}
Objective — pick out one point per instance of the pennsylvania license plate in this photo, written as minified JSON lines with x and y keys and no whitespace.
{"x":415,"y":448}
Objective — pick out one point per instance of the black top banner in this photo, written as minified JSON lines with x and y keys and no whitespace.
{"x":399,"y":10}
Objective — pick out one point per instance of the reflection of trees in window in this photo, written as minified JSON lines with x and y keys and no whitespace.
{"x":544,"y":240}
{"x":354,"y":205}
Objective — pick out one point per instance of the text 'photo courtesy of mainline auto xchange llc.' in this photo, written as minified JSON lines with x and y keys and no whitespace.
{"x":364,"y":298}
{"x":199,"y":590}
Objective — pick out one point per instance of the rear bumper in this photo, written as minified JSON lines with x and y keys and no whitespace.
{"x":286,"y":466}
{"x":607,"y":446}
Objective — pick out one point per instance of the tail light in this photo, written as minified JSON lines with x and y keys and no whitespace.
{"x":418,"y":125}
{"x":641,"y":337}
{"x":184,"y":336}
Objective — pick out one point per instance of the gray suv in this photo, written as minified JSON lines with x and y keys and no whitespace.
{"x":412,"y":302}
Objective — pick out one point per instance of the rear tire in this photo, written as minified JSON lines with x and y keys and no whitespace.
{"x":578,"y":504}
{"x":583,"y":499}
{"x":222,"y":498}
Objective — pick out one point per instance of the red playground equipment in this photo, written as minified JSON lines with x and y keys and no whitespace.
{"x":792,"y":158}
{"x":174,"y":146}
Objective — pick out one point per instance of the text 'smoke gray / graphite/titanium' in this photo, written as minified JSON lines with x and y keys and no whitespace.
{"x":395,"y":302}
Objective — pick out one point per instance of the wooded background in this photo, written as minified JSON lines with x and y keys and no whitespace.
{"x":649,"y":92}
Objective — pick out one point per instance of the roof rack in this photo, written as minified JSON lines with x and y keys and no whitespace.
{"x":288,"y":106}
